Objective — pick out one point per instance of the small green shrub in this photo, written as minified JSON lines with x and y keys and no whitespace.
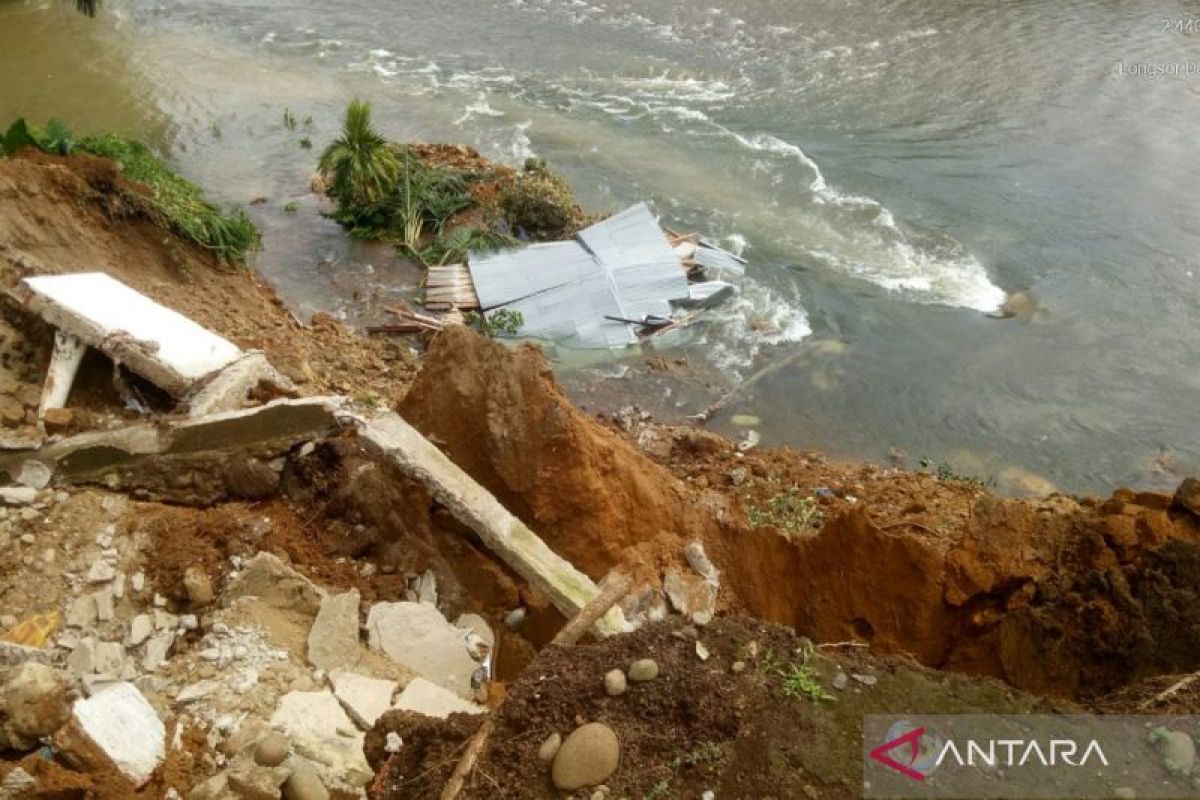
{"x":540,"y":203}
{"x":290,"y":207}
{"x":798,"y":678}
{"x":789,"y":511}
{"x":502,"y":321}
{"x":945,"y":472}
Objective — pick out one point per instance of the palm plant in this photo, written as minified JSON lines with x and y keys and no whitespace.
{"x":360,"y":166}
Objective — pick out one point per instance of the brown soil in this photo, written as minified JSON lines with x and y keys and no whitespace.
{"x":64,"y":214}
{"x":698,"y":726}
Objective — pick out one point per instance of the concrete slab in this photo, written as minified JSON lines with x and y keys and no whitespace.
{"x":426,"y":697}
{"x":115,"y":728}
{"x":417,"y":636}
{"x":363,"y":698}
{"x":567,"y":588}
{"x":158,"y":343}
{"x":319,"y":730}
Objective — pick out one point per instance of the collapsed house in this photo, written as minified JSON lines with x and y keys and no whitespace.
{"x":614,"y":283}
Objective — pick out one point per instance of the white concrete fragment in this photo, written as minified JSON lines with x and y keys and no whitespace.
{"x":101,"y":572}
{"x":17,"y":495}
{"x":158,"y":343}
{"x":419,"y":637}
{"x":229,"y":389}
{"x":109,"y":659}
{"x":505,"y":535}
{"x":140,"y":629}
{"x":82,"y":612}
{"x":35,"y":475}
{"x":363,"y":698}
{"x":157,"y":649}
{"x":333,"y":639}
{"x":117,"y":725}
{"x":104,"y":604}
{"x":425,"y":697}
{"x":319,"y":730}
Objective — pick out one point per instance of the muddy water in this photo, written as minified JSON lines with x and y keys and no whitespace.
{"x":893,"y":169}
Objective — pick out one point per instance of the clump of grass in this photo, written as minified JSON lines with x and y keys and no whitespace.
{"x":798,"y":678}
{"x":945,"y":472}
{"x":179,"y":204}
{"x":789,"y":511}
{"x":290,"y":207}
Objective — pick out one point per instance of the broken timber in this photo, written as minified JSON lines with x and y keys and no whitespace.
{"x":473,"y":505}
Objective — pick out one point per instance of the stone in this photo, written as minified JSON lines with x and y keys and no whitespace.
{"x":82,"y":612}
{"x":614,"y":683}
{"x":140,"y":629}
{"x":738,"y":667}
{"x":432,"y":700}
{"x":270,"y":580}
{"x":272,"y":750}
{"x":319,"y":729}
{"x":215,"y":788}
{"x":114,"y":729}
{"x":304,"y":783}
{"x":137,"y":581}
{"x":104,"y":604}
{"x":35,"y":702}
{"x":364,"y":699}
{"x":16,"y":783}
{"x":479,"y":626}
{"x":427,"y":588}
{"x":1178,"y":750}
{"x":101,"y":572}
{"x":157,"y":650}
{"x":642,"y":670}
{"x":35,"y":475}
{"x":698,"y":560}
{"x":82,"y":660}
{"x":417,"y":636}
{"x":250,"y":781}
{"x":57,"y":420}
{"x":198,"y":586}
{"x":250,"y":479}
{"x":1187,"y":496}
{"x":110,"y":658}
{"x":690,"y":594}
{"x":17,"y":495}
{"x":840,"y":681}
{"x":588,"y":756}
{"x":12,"y":411}
{"x":549,"y":748}
{"x":333,"y":639}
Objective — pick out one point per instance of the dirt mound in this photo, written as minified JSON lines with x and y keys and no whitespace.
{"x":700,"y":725}
{"x":68,"y":214}
{"x":587,"y":492}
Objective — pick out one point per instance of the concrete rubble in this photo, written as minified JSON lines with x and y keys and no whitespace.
{"x":117,"y":728}
{"x":419,"y":637}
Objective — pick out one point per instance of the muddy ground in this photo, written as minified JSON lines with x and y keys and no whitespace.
{"x":924,"y":594}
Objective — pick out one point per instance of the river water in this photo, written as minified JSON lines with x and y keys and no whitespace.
{"x":893,"y":169}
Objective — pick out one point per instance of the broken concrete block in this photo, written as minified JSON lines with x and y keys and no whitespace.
{"x":690,"y":594}
{"x":109,"y":658}
{"x":363,"y":698}
{"x":319,"y":730}
{"x":229,"y":389}
{"x":82,"y":660}
{"x":82,"y":612}
{"x":160,"y":344}
{"x":333,"y":639}
{"x":425,"y":697}
{"x":140,"y":629}
{"x":157,"y":650}
{"x":101,"y":572}
{"x":17,"y":495}
{"x":266,"y":577}
{"x":427,"y":588}
{"x":402,"y":445}
{"x":115,"y":729}
{"x":104,"y":604}
{"x":417,"y":636}
{"x":250,"y":781}
{"x":35,"y":702}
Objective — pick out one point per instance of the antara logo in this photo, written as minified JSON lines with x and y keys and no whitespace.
{"x":913,"y":753}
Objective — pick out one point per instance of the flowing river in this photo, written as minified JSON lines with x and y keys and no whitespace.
{"x":893,"y":170}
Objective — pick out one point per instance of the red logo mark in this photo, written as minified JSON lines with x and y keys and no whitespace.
{"x":913,"y":740}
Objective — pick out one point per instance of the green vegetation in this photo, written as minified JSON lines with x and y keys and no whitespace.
{"x":179,"y":204}
{"x":289,"y":120}
{"x":799,"y":679}
{"x":499,"y":322}
{"x":541,"y":203}
{"x":290,"y":207}
{"x":306,"y":143}
{"x":943,"y":471}
{"x":705,"y":753}
{"x":175,"y":202}
{"x":395,"y":193}
{"x":789,"y":511}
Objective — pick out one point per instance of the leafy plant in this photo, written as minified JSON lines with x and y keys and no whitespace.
{"x":360,"y":167}
{"x":179,"y":204}
{"x":501,"y":321}
{"x":789,"y":511}
{"x":18,"y":137}
{"x":454,"y":246}
{"x":945,"y":472}
{"x":798,"y":678}
{"x":290,"y":207}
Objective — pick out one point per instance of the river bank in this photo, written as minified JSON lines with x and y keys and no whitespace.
{"x":889,"y":585}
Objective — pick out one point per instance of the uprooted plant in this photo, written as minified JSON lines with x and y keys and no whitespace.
{"x":787,"y":510}
{"x":178,"y":204}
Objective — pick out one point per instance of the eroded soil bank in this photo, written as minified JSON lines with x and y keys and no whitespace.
{"x":900,"y":591}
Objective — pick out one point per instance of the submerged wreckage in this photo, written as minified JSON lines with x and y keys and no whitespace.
{"x":615,"y":283}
